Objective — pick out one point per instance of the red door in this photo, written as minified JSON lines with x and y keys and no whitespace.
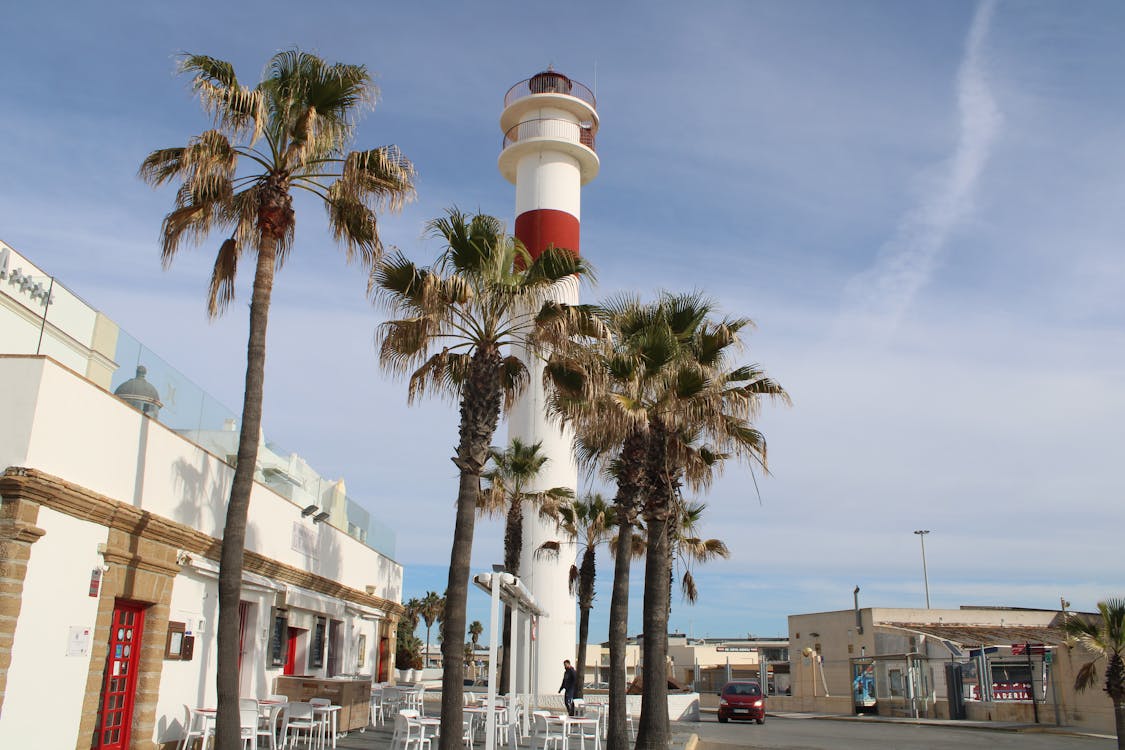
{"x":115,"y":711}
{"x":291,"y":651}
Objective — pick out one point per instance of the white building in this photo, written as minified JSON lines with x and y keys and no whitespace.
{"x":109,"y":540}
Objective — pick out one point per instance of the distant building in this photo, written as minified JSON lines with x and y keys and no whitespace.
{"x":982,"y":663}
{"x":702,"y":665}
{"x":115,"y":472}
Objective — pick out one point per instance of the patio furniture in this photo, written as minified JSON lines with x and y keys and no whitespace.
{"x":197,"y":725}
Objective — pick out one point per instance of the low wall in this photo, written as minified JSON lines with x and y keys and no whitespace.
{"x":805,"y":704}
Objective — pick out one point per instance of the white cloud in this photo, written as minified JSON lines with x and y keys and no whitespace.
{"x":878,"y":297}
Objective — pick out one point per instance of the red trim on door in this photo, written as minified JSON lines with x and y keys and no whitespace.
{"x":119,"y":684}
{"x":291,"y":651}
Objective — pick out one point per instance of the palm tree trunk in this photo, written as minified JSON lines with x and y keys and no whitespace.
{"x":653,"y":731}
{"x":628,"y":489}
{"x":617,"y":737}
{"x":586,"y":575}
{"x":234,"y":529}
{"x":1119,"y":723}
{"x":480,"y":413}
{"x":513,"y":546}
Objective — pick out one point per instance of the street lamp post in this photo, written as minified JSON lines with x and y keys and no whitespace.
{"x":925,"y":576}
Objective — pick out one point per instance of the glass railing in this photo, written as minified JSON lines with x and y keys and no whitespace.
{"x":57,"y":323}
{"x":199,"y":417}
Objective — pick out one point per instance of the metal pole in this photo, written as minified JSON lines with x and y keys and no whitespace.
{"x":925,"y":575}
{"x":43,"y":322}
{"x":1031,"y":682}
{"x":494,"y":634}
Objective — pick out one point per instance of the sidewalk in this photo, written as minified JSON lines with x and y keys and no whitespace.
{"x":995,"y":726}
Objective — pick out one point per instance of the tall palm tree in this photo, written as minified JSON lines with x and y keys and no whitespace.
{"x":1104,"y":637}
{"x":601,"y":391}
{"x":431,"y":611}
{"x":590,"y":522}
{"x":304,"y":110}
{"x":513,"y":469}
{"x":455,"y":321}
{"x":702,"y":410}
{"x":663,"y":388}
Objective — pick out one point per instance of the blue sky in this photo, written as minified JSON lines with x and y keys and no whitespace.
{"x":918,"y":203}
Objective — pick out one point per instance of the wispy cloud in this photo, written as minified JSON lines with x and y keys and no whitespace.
{"x":879,"y":296}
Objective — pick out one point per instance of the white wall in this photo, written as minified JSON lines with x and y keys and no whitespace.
{"x":89,"y":437}
{"x":59,"y":575}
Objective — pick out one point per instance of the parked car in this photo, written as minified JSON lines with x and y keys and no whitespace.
{"x":742,"y":700}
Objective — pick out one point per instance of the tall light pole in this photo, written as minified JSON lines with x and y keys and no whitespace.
{"x":925,"y":576}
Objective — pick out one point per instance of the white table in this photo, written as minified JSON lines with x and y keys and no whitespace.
{"x":329,"y":713}
{"x":569,"y":722}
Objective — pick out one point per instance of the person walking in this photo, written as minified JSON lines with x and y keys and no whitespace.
{"x":570,"y":677}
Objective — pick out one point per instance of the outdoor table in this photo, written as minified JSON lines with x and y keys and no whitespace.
{"x":331,"y":712}
{"x":576,"y":721}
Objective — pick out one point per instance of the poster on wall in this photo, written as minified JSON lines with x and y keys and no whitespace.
{"x":78,"y":641}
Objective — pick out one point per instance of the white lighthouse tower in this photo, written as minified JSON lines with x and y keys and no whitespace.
{"x":549,"y":124}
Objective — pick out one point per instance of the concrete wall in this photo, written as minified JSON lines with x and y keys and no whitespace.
{"x":46,"y":684}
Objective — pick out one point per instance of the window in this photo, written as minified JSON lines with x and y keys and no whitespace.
{"x":316,"y":648}
{"x":279,"y":638}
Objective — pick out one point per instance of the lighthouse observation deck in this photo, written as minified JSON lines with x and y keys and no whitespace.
{"x":549,"y":112}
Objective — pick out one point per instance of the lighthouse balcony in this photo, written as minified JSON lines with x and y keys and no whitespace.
{"x":544,"y":135}
{"x":552,"y":129}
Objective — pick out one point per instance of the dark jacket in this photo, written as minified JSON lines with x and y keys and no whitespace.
{"x":569,"y":676}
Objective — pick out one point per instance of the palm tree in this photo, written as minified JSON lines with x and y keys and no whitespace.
{"x":1104,"y":637}
{"x":485,"y":293}
{"x":590,"y":522}
{"x":601,"y":391}
{"x":687,"y":548}
{"x":665,"y":393}
{"x":305,"y":111}
{"x":513,"y":470}
{"x":431,"y":611}
{"x":702,"y":413}
{"x":475,"y":629}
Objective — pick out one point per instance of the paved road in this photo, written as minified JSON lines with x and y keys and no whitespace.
{"x":827,"y":734}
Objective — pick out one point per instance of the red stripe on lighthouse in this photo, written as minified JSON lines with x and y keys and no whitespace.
{"x":547,"y":226}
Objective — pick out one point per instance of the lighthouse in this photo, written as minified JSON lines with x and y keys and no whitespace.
{"x":549,"y":124}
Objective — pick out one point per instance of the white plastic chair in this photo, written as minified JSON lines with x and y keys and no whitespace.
{"x":299,"y":720}
{"x":408,"y":733}
{"x":392,"y":700}
{"x":269,"y":723}
{"x":248,"y":724}
{"x":377,"y":716}
{"x":541,"y":731}
{"x":196,"y":725}
{"x":327,"y":722}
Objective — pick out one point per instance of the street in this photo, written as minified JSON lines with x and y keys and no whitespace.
{"x":818,"y":734}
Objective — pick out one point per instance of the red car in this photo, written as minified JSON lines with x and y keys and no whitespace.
{"x":742,"y":700}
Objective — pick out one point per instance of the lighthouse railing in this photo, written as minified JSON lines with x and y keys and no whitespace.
{"x":524,"y":88}
{"x":550,"y":127}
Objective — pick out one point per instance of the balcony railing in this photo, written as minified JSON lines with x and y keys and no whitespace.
{"x":565,"y":130}
{"x":550,"y":83}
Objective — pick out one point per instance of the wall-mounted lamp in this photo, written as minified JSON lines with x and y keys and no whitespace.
{"x":309,"y":510}
{"x":321,"y":516}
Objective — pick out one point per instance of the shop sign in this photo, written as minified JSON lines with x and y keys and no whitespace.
{"x":23,"y":281}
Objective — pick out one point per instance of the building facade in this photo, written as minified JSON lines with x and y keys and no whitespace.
{"x":111,"y":514}
{"x":979,"y":663}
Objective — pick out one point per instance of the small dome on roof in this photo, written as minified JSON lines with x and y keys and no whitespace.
{"x":140,"y":393}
